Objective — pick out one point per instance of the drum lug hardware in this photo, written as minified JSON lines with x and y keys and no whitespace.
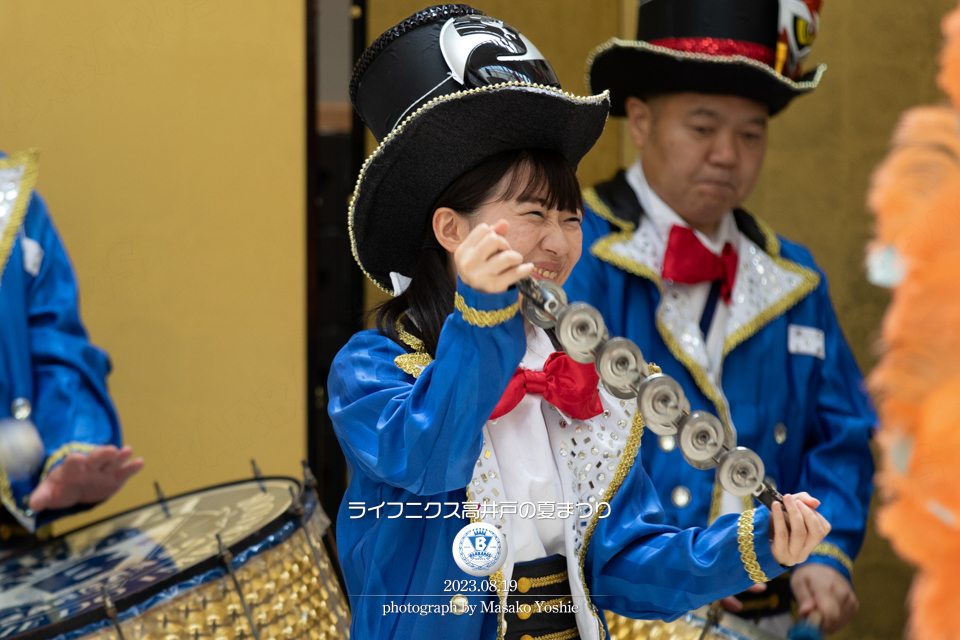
{"x":713,"y":619}
{"x":227,"y":558}
{"x":111,"y":611}
{"x":297,"y":509}
{"x":162,"y":499}
{"x":310,"y":483}
{"x":309,"y":480}
{"x":258,"y":474}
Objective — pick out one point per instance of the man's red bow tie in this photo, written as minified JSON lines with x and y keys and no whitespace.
{"x":687,"y":261}
{"x":564,"y":383}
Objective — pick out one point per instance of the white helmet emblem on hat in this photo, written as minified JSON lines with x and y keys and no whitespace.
{"x":480,"y":51}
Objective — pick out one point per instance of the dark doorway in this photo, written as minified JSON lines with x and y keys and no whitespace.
{"x":336,"y":35}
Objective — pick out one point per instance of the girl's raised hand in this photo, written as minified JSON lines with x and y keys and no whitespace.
{"x":486,"y":262}
{"x":807,"y":529}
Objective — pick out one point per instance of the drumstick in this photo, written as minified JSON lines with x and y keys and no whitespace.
{"x":808,"y":628}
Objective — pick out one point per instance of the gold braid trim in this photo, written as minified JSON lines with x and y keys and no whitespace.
{"x":411,"y":363}
{"x":630,"y":450}
{"x":592,"y":199}
{"x":833,"y":551}
{"x":6,"y":493}
{"x":408,"y":338}
{"x":546,"y":581}
{"x":30,"y":161}
{"x":716,"y":499}
{"x":496,"y":578}
{"x":63,"y":452}
{"x":563,"y":635}
{"x":747,"y":553}
{"x":811,"y":280}
{"x":549,"y":604}
{"x":484,"y":318}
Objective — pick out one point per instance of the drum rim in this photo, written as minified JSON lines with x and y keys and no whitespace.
{"x":123,"y":603}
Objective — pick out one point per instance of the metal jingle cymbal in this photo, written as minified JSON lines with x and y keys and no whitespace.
{"x":740,"y":472}
{"x":581,"y":330}
{"x":542,"y":301}
{"x":621,"y":366}
{"x":701,"y":439}
{"x":661,"y":400}
{"x":660,"y":429}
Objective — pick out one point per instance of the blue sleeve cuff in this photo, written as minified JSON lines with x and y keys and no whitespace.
{"x":755,"y":550}
{"x":486,"y":309}
{"x":833,"y":556}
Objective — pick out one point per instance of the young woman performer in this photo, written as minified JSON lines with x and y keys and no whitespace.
{"x":472,"y":188}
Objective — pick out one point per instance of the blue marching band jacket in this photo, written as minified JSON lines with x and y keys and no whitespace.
{"x":788,"y":383}
{"x":415,"y":431}
{"x":49,"y":371}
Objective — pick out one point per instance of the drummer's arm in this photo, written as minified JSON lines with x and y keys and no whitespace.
{"x":639,"y":567}
{"x":424,"y":434}
{"x":71,"y":406}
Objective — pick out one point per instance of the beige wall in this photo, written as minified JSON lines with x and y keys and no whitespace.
{"x":882,"y":57}
{"x":172,"y":138}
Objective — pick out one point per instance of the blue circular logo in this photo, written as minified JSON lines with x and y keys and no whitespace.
{"x":480,"y":549}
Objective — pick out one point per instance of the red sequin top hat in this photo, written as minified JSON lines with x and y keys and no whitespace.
{"x":749,"y":48}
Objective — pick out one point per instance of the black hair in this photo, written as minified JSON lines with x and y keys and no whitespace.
{"x":529,"y":175}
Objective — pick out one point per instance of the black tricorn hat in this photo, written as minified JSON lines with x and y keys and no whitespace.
{"x":442,"y":91}
{"x":748,"y":48}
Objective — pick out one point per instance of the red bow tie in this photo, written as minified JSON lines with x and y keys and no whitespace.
{"x":687,"y":261}
{"x":564,"y":383}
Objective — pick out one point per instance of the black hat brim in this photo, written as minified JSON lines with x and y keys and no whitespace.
{"x":637,"y":68}
{"x":416,"y":162}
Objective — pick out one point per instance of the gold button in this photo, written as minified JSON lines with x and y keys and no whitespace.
{"x":523,"y":585}
{"x":780,"y":433}
{"x":524,"y":611}
{"x":21,"y":409}
{"x":458,"y":604}
{"x":526,"y":636}
{"x":680,"y":496}
{"x":667,"y":443}
{"x":5,"y":531}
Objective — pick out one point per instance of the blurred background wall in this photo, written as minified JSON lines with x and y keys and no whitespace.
{"x":882,"y":59}
{"x":172,"y":159}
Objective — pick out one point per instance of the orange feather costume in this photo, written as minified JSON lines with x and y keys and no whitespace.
{"x":915,"y":194}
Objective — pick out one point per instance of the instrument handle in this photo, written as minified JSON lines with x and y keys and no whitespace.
{"x":769,"y":496}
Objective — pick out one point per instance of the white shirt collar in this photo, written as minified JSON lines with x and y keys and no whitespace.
{"x":664,"y":218}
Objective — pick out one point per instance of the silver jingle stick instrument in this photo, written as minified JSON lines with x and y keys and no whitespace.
{"x":662,"y":404}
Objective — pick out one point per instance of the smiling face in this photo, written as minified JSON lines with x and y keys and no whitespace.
{"x":548,"y":237}
{"x":701,"y":153}
{"x":536,"y":192}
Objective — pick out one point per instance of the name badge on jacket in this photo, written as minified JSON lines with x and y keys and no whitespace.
{"x":805,"y":341}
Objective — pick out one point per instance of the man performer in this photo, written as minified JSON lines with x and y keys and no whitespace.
{"x":59,"y":431}
{"x":739,"y":316}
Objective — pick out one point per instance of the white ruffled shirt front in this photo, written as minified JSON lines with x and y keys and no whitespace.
{"x":527,"y":462}
{"x":664,"y":218}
